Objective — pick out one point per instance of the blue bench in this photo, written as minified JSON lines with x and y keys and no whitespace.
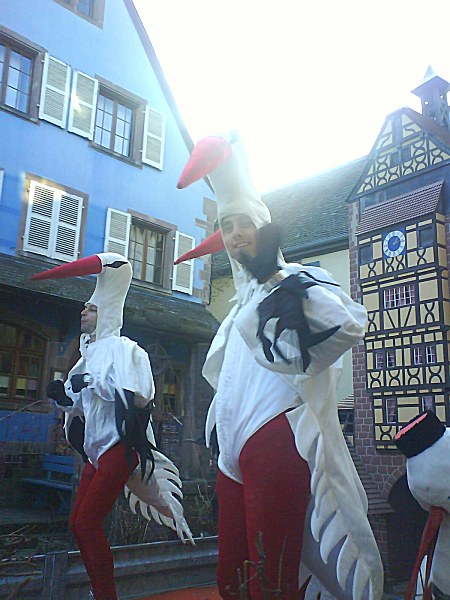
{"x":59,"y":486}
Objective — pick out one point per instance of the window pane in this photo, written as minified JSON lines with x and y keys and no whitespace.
{"x":7,"y":335}
{"x":123,"y":130}
{"x":390,"y":410}
{"x":417,"y":355}
{"x":85,"y":7}
{"x":390,"y":359}
{"x":148,"y":249}
{"x":4,"y":384}
{"x":5,"y":363}
{"x":103,"y":121}
{"x":149,"y":273}
{"x":427,"y":403}
{"x":2,"y":61}
{"x":34,"y":367}
{"x":431,"y":354}
{"x":379,"y":360}
{"x":426,"y":237}
{"x":19,"y":81}
{"x":21,"y":387}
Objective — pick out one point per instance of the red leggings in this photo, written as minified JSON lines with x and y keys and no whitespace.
{"x":272,"y":500}
{"x":97,"y":491}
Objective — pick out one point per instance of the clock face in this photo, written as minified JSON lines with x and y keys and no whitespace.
{"x":394,"y":243}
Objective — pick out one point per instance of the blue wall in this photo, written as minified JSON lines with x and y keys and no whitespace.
{"x":115,"y":53}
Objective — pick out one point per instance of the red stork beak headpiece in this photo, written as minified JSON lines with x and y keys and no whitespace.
{"x":222,"y":159}
{"x":114,"y":275}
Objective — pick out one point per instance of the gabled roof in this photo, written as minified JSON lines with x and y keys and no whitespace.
{"x":313,"y":212}
{"x":154,"y":62}
{"x":440,"y":136}
{"x":150,"y":51}
{"x":402,"y":208}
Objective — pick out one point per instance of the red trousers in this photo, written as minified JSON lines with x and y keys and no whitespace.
{"x":97,"y":491}
{"x":270,"y":505}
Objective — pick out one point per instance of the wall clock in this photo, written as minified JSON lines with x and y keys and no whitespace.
{"x":394,"y":243}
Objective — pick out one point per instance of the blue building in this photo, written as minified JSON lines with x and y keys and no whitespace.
{"x":91,"y":148}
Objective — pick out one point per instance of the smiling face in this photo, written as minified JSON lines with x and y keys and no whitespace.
{"x":239,"y":236}
{"x":88,"y":318}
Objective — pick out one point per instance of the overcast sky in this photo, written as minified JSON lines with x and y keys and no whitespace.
{"x":307,"y":84}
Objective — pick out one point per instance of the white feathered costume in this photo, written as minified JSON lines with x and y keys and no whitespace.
{"x":116,"y":363}
{"x":425,"y":441}
{"x":339,"y":547}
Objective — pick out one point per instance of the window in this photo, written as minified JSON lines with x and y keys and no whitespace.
{"x":85,"y":7}
{"x":124,"y":125}
{"x":390,"y":410}
{"x":427,"y":403}
{"x":146,"y":252}
{"x":92,"y":10}
{"x":365,"y":254}
{"x":379,"y":359}
{"x":401,"y":155}
{"x":346,"y":419}
{"x":427,"y":351}
{"x":400,"y":295}
{"x":19,"y":71}
{"x":21,"y":359}
{"x":417,"y":355}
{"x":385,"y":359}
{"x":114,"y":125}
{"x":426,"y":237}
{"x":390,"y":359}
{"x":430,"y":354}
{"x":53,"y":221}
{"x":147,"y":242}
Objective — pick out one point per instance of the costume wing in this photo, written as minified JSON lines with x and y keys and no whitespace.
{"x":339,"y":547}
{"x":160,"y":496}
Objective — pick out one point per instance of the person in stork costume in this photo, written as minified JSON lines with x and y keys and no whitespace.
{"x":288,"y":492}
{"x":107,"y":400}
{"x":425,"y":441}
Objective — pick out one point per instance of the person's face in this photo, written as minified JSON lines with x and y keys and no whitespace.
{"x":88,"y":318}
{"x":239,"y":236}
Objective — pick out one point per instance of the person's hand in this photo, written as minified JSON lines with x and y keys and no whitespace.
{"x":264,"y":264}
{"x":56,"y":391}
{"x":285,"y":303}
{"x":79,"y":381}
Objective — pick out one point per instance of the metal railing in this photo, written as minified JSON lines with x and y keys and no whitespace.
{"x":140,"y":570}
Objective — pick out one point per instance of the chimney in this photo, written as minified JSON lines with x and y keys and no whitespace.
{"x":433,"y":95}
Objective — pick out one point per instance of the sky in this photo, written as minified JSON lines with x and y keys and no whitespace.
{"x":307,"y":84}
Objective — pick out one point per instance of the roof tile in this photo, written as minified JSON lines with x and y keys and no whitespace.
{"x":414,"y":204}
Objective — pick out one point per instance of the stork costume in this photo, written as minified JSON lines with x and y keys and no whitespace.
{"x":287,"y":487}
{"x":425,"y":442}
{"x":107,"y":399}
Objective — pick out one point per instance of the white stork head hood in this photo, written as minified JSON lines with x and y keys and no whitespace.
{"x":114,"y":275}
{"x":425,"y":441}
{"x":223,"y":160}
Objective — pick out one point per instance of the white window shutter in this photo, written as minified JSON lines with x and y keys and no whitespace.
{"x":183,"y":274}
{"x":67,"y":227}
{"x":154,"y":138}
{"x":55,"y":91}
{"x":83,"y":103}
{"x":117,"y":231}
{"x":38,"y":226}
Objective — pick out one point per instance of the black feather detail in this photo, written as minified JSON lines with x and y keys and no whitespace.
{"x":132,"y":425}
{"x":286,"y":304}
{"x":116,"y":264}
